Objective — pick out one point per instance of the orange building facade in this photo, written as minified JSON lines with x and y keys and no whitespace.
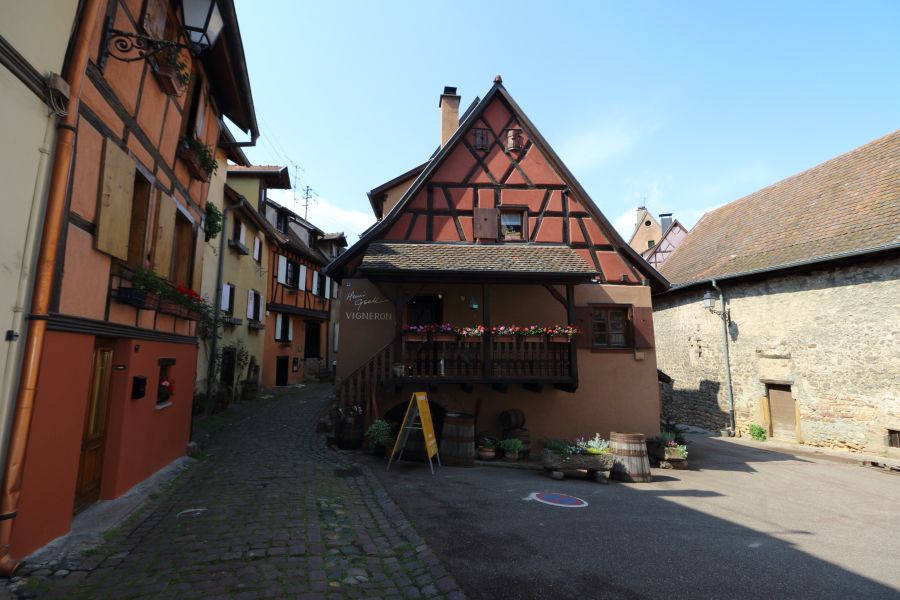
{"x":113,"y":400}
{"x":493,"y":233}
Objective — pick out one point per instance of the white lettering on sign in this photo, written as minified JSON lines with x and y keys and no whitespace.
{"x":369,"y":316}
{"x":359,"y":299}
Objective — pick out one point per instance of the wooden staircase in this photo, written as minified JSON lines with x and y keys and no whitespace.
{"x":362,"y":389}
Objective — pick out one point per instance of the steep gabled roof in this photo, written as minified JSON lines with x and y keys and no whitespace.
{"x":657,"y":280}
{"x":647,"y":254}
{"x":276,"y":177}
{"x":849,"y":205}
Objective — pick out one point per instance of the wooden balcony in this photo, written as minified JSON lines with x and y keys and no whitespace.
{"x":498,"y":359}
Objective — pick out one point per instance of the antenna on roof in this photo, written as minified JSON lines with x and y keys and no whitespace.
{"x":308,"y":197}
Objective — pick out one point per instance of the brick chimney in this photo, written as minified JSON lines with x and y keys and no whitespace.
{"x":449,"y":105}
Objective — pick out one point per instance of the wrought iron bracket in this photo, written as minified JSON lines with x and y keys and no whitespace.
{"x":130,"y":47}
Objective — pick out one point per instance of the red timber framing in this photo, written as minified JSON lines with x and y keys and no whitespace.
{"x":497,"y":213}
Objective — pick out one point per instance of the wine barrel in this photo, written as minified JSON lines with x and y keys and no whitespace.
{"x":631,"y":461}
{"x":458,"y":440}
{"x":351,"y":435}
{"x":512,"y":419}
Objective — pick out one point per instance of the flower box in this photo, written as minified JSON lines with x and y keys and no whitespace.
{"x":169,"y":79}
{"x":232,"y":320}
{"x":555,"y":461}
{"x":138,"y":298}
{"x":505,"y":339}
{"x":415,"y":337}
{"x":192,"y":161}
{"x":673,"y":454}
{"x":257,"y":325}
{"x":560,"y":339}
{"x":173,"y":308}
{"x":471,"y":339}
{"x":443,"y":337}
{"x":533,"y":339}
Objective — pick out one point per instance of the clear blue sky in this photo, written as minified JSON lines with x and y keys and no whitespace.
{"x":682,"y":106}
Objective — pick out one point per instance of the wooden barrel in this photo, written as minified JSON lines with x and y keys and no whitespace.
{"x":512,"y":419}
{"x":351,"y":435}
{"x":631,"y":461}
{"x":458,"y":440}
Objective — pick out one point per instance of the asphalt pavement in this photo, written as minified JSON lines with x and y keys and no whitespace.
{"x":743,"y":522}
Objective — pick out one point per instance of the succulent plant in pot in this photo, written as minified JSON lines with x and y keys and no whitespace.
{"x":511,"y":448}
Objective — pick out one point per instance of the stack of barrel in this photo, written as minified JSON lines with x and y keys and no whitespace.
{"x":513,"y":423}
{"x":458,"y":440}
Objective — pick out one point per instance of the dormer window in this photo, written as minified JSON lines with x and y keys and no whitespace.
{"x":513,"y":140}
{"x":281,"y":222}
{"x":480,"y":139}
{"x":512,"y":225}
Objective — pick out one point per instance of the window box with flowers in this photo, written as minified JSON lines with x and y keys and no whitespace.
{"x":183,"y":302}
{"x":144,"y":292}
{"x":172,"y":73}
{"x":505,"y":334}
{"x":416,"y":333}
{"x":533,"y":334}
{"x":199,"y":158}
{"x":561,"y":334}
{"x":471,"y":335}
{"x":443,"y":333}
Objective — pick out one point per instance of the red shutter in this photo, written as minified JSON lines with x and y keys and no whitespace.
{"x":643,"y":327}
{"x":486,"y":223}
{"x":583,"y":322}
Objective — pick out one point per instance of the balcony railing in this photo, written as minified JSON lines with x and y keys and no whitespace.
{"x":487,"y":359}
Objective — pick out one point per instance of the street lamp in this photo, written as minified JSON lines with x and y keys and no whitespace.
{"x":202,"y":26}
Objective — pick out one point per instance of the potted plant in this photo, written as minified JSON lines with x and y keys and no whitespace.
{"x":172,"y":73}
{"x":593,"y":455}
{"x":511,"y":448}
{"x":471,"y":334}
{"x":487,"y":446}
{"x":380,"y":435}
{"x":675,"y":451}
{"x":144,"y":292}
{"x":166,"y":389}
{"x":443,"y":333}
{"x":199,"y":158}
{"x":212,"y":221}
{"x":562,"y":334}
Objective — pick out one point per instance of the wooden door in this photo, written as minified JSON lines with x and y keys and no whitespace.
{"x":783,"y":412}
{"x":93,"y":442}
{"x":281,"y":370}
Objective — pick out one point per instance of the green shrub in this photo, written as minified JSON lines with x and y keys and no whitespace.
{"x":513,"y":445}
{"x":380,"y":433}
{"x":757,"y":432}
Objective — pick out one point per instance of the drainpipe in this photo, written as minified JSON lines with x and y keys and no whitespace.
{"x":211,"y":359}
{"x":727,"y":365}
{"x":43,"y":285}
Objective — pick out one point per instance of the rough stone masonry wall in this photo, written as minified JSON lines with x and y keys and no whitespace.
{"x":834,"y":333}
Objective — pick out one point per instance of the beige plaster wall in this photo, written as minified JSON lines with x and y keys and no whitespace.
{"x":39,"y":30}
{"x":645,"y":232}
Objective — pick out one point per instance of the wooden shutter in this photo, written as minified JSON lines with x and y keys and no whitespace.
{"x":226,"y":297}
{"x":165,"y":234}
{"x":278,"y":321}
{"x":155,"y":19}
{"x":243,"y":235}
{"x":116,"y":194}
{"x":642,"y":324}
{"x":290,"y":328}
{"x":327,"y":287}
{"x":282,"y":269}
{"x":486,"y":223}
{"x":584,"y":323}
{"x":303,"y":277}
{"x":315,"y":285}
{"x":250,"y":304}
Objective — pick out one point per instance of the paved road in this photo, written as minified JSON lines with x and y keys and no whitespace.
{"x":270,"y":513}
{"x":742,"y":523}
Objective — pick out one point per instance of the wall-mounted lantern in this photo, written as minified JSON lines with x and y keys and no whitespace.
{"x":202,"y":26}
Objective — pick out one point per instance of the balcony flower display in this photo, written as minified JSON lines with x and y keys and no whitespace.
{"x":443,"y":333}
{"x":561,"y":333}
{"x":466,"y":333}
{"x":144,"y":292}
{"x":417,"y":333}
{"x":505,"y":333}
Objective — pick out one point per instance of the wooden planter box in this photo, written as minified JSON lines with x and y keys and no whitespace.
{"x":171,"y":307}
{"x":560,"y":339}
{"x":590,"y":462}
{"x":190,"y":158}
{"x":415,"y":337}
{"x":169,"y":80}
{"x":533,"y":339}
{"x":139,"y":298}
{"x":443,"y":337}
{"x":471,"y":339}
{"x":505,"y":339}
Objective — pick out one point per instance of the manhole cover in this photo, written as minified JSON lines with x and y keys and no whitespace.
{"x":555,"y":499}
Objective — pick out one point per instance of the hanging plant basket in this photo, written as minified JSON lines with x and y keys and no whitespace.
{"x":138,"y":298}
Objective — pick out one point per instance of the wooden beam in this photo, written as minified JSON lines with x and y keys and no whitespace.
{"x":573,"y":347}
{"x":559,"y":297}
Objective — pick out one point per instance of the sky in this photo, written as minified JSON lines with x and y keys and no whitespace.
{"x":679,"y":106}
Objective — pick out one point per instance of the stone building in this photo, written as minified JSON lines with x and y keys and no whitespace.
{"x":808,"y":270}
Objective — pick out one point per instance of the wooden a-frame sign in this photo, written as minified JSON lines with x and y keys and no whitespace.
{"x":417,"y":416}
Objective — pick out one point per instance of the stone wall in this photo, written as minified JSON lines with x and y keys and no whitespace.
{"x":833,"y":334}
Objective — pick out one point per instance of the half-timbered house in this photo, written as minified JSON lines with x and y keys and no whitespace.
{"x":106,"y":387}
{"x":494,"y":231}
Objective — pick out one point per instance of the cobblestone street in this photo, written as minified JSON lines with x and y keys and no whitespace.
{"x":269,"y":513}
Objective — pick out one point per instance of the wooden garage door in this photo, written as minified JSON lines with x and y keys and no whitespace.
{"x":781,"y":407}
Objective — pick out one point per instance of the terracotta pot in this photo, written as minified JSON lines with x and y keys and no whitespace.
{"x":487,"y":454}
{"x":510,"y":456}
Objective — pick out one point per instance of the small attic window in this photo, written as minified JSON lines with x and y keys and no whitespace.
{"x":480,"y":139}
{"x":512,"y":224}
{"x":513,"y":140}
{"x":651,"y":243}
{"x":647,"y":223}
